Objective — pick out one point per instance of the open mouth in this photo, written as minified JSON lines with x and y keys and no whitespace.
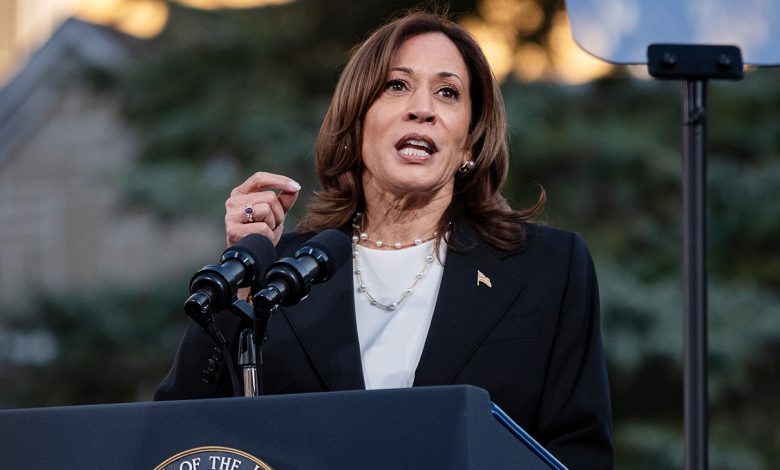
{"x":414,"y":145}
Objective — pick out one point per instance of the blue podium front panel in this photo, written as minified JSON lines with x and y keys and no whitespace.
{"x":431,"y":427}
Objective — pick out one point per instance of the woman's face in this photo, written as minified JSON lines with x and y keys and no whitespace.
{"x":414,"y":134}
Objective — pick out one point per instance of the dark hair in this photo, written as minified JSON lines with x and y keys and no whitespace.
{"x":477,"y":199}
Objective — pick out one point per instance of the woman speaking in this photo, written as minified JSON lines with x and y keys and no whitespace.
{"x":448,"y":284}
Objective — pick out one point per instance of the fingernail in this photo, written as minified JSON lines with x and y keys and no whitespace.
{"x":294,"y":186}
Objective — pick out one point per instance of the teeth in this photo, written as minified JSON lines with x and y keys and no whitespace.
{"x":418,"y":143}
{"x":412,"y":152}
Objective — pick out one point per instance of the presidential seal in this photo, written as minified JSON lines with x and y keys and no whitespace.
{"x":213,"y":458}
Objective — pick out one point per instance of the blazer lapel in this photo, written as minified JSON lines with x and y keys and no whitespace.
{"x":325,"y":325}
{"x":465,"y":313}
{"x":466,"y":310}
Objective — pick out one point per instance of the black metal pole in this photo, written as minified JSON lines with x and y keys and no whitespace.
{"x":695,"y":273}
{"x":695,"y":63}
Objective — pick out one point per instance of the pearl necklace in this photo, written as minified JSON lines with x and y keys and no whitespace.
{"x":361,"y":236}
{"x":364,"y":238}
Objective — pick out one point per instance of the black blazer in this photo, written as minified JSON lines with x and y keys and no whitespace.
{"x":532,"y":340}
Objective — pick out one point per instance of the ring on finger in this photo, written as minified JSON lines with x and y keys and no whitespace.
{"x":249,"y":213}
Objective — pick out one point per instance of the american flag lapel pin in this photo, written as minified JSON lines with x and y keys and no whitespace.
{"x":482,"y":279}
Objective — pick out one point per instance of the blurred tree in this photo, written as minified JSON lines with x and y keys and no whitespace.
{"x":113,"y":345}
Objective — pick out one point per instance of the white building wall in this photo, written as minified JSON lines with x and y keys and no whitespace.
{"x":63,"y":223}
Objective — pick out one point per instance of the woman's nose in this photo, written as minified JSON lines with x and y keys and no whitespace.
{"x":420,"y":109}
{"x":421,"y":116}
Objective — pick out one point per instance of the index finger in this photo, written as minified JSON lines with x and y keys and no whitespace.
{"x":262,"y":181}
{"x":288,"y":198}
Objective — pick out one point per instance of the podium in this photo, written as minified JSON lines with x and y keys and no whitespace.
{"x":450,"y":427}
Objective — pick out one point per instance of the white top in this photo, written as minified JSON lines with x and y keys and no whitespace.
{"x":391,"y":343}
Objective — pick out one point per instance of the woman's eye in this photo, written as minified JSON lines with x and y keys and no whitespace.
{"x":449,"y":93}
{"x":396,"y":85}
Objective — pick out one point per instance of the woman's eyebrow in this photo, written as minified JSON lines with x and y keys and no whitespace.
{"x":406,"y":70}
{"x":450,"y":75}
{"x":409,"y":71}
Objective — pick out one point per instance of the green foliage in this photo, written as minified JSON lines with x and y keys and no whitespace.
{"x":608,"y":155}
{"x":110,"y":345}
{"x":645,"y":446}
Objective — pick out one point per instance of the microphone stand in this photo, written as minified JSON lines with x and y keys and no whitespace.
{"x":247,"y":360}
{"x":695,"y":64}
{"x":198,"y":308}
{"x":254,"y":323}
{"x":253,"y":318}
{"x":262,"y":313}
{"x":247,"y":355}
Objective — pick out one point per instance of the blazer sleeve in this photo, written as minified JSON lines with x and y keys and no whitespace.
{"x":575,"y":417}
{"x":199,"y":369}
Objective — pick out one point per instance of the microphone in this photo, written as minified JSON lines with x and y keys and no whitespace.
{"x":289,"y":280}
{"x":214,"y":286}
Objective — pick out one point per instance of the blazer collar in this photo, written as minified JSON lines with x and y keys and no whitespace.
{"x":466,"y":310}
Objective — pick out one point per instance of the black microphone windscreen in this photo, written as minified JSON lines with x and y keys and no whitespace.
{"x":336,"y":245}
{"x":260,"y":248}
